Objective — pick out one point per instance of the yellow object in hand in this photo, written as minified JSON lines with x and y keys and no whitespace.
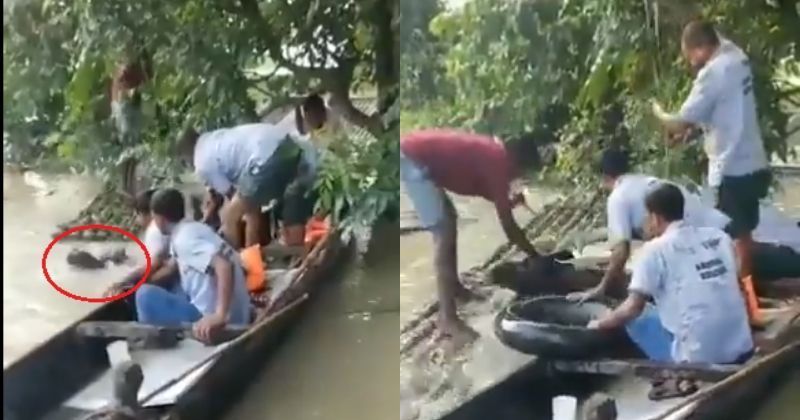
{"x":659,"y":111}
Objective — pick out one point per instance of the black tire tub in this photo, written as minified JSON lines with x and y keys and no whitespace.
{"x":555,"y":328}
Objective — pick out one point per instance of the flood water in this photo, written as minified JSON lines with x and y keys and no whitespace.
{"x":340,"y":362}
{"x":32,"y":309}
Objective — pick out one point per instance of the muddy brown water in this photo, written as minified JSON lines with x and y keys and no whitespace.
{"x":32,"y":309}
{"x":340,"y":361}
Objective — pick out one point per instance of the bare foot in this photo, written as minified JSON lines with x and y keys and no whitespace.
{"x":456,"y":333}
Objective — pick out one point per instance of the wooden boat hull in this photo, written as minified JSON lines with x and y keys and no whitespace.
{"x":527,"y":395}
{"x":40,"y":382}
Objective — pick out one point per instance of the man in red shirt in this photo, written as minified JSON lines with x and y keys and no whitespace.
{"x":435,"y":161}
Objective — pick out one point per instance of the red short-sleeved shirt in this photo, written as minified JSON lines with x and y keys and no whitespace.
{"x":463,"y":163}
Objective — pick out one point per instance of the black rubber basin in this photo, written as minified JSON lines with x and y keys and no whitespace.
{"x":553,"y":327}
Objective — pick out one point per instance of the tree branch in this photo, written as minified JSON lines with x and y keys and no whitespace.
{"x":341,"y":101}
{"x":336,"y":80}
{"x":273,"y":47}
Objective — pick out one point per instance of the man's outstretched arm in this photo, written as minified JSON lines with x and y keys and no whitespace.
{"x":513,"y":232}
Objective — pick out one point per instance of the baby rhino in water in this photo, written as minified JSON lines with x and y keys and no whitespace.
{"x":83,"y":259}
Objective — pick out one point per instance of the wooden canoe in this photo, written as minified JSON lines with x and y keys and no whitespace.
{"x":730,"y":391}
{"x":62,"y":378}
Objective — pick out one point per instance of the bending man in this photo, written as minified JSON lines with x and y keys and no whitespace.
{"x":699,"y":315}
{"x":435,"y":161}
{"x":626,"y":214}
{"x":253,"y":165}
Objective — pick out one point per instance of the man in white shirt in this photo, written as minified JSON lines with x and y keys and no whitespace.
{"x":254,"y":164}
{"x":722,"y":102}
{"x":211,"y":274}
{"x":690,"y":273}
{"x":626,"y":214}
{"x":163,"y":270}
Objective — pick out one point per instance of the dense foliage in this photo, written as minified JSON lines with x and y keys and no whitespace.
{"x":583,"y":72}
{"x":59,"y":57}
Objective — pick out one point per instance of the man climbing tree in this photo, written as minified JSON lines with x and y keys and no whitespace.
{"x":126,"y":110}
{"x":126,"y":97}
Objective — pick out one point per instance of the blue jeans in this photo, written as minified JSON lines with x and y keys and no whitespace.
{"x":650,"y":336}
{"x":157,"y":306}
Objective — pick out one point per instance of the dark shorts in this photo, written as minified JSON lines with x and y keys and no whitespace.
{"x":297,"y":205}
{"x":739,"y":196}
{"x":263,"y":182}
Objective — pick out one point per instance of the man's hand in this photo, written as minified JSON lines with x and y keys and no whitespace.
{"x":581,"y":297}
{"x":211,"y":204}
{"x":518,"y":199}
{"x":674,"y":139}
{"x":674,"y":125}
{"x":208,"y":326}
{"x":658,"y":110}
{"x":116,"y":289}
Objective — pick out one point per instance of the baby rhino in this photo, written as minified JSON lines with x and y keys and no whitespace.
{"x":83,"y":259}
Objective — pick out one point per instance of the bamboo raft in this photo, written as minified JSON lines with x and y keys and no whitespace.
{"x":579,"y":212}
{"x":70,"y":375}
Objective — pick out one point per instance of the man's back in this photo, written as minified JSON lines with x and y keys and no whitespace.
{"x":194,"y":246}
{"x":627,"y":213}
{"x":723,"y":101}
{"x":462,"y":163}
{"x":222,"y":155}
{"x":691,"y":273}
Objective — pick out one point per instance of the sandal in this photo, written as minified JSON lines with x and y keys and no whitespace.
{"x":671,"y":388}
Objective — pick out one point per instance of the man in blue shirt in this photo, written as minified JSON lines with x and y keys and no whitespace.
{"x":212,"y":278}
{"x":253,"y":165}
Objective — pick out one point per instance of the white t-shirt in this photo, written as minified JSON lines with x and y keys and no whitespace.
{"x":221,"y":156}
{"x":723,"y":103}
{"x":194,"y":245}
{"x":157,"y":243}
{"x":691,"y":275}
{"x":626,"y":211}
